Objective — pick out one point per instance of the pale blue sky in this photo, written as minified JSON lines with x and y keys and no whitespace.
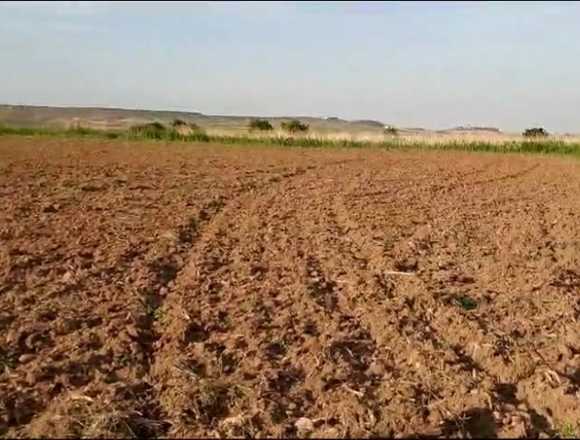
{"x":433,"y":64}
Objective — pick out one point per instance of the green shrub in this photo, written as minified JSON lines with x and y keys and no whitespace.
{"x":260,"y":124}
{"x":152,"y":130}
{"x":536,"y":132}
{"x":178,"y":123}
{"x":82,"y":131}
{"x":295,"y":126}
{"x":391,"y":131}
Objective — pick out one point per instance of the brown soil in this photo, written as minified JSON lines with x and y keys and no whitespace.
{"x":191,"y":291}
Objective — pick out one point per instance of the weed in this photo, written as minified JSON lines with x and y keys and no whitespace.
{"x":159,"y":314}
{"x":466,"y":303}
{"x":151,"y":307}
{"x":568,"y":430}
{"x":86,"y":420}
{"x":124,"y":360}
{"x":214,"y":398}
{"x":7,"y":361}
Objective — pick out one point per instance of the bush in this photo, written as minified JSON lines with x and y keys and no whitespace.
{"x":391,"y":131}
{"x":178,"y":123}
{"x":260,"y":124}
{"x":81,"y":131}
{"x":181,"y":124}
{"x":537,"y":132}
{"x":152,"y":130}
{"x":295,"y":126}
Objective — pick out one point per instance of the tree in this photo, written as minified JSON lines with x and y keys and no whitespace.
{"x":536,"y":132}
{"x":260,"y":124}
{"x":295,"y":126}
{"x":178,"y":123}
{"x":391,"y":131}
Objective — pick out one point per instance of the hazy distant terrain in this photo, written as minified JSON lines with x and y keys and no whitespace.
{"x":114,"y":118}
{"x":122,"y":118}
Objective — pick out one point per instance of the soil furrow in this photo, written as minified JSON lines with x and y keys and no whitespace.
{"x":199,"y":291}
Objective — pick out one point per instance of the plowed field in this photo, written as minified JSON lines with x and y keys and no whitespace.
{"x":154,"y":289}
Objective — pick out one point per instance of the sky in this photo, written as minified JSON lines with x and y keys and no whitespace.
{"x":510,"y":65}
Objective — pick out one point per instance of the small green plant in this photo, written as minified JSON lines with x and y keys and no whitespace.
{"x":260,"y":125}
{"x":568,"y":430}
{"x":295,"y":126}
{"x":213,"y":400}
{"x":466,"y":303}
{"x":7,"y":361}
{"x":124,"y":359}
{"x":150,"y":306}
{"x":537,"y":132}
{"x":159,"y":314}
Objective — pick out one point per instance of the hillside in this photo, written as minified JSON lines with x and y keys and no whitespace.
{"x":116,"y":118}
{"x":120,"y":119}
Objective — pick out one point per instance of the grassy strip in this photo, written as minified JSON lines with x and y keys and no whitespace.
{"x":73,"y":132}
{"x":524,"y":146}
{"x":538,"y":146}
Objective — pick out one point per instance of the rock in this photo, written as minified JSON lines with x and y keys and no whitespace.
{"x":377,"y":369}
{"x":304,"y":425}
{"x":169,"y":235}
{"x":67,"y":277}
{"x":25,"y":358}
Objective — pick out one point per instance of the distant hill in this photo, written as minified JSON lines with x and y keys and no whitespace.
{"x":25,"y":115}
{"x":475,"y":129}
{"x":119,"y":118}
{"x":369,"y":123}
